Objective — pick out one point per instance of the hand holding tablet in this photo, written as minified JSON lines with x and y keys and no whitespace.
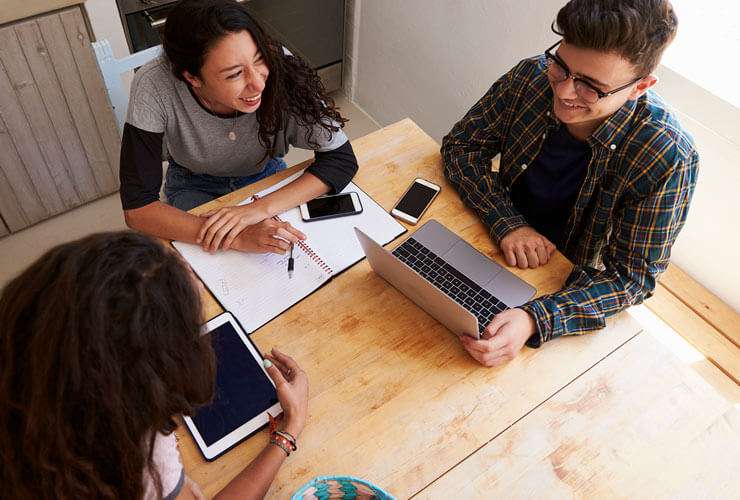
{"x":291,"y":384}
{"x":244,"y":393}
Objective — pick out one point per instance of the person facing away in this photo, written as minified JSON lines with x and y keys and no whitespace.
{"x":228,"y":102}
{"x":100,"y":348}
{"x":593,"y":163}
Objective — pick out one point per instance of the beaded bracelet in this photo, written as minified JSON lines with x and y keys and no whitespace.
{"x":283,"y":439}
{"x":287,"y":435}
{"x":282,"y":446}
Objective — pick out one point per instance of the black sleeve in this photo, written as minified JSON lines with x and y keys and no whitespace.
{"x":335,"y":168}
{"x":140,"y":167}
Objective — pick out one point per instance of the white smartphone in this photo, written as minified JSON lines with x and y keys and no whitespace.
{"x":330,"y":206}
{"x":415,"y":201}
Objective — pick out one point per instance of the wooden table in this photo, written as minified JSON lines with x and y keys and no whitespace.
{"x":396,"y":400}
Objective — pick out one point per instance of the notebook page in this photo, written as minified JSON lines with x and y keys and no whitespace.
{"x":254,"y":287}
{"x":334,"y":240}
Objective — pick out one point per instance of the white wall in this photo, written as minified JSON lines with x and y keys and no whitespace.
{"x":709,"y":245}
{"x":432,"y":60}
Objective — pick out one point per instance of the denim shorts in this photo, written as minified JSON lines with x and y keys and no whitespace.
{"x":185,"y":189}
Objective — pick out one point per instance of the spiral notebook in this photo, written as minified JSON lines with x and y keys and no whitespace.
{"x":255,"y":288}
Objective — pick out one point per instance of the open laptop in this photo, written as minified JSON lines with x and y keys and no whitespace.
{"x":448,"y":278}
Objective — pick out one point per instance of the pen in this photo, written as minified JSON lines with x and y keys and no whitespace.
{"x":290,"y":262}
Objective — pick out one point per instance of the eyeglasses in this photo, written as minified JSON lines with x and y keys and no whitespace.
{"x":558,"y":72}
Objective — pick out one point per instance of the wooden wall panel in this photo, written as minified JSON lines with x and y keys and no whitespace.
{"x":61,"y":56}
{"x":29,"y":96}
{"x":59,"y":142}
{"x":17,"y":89}
{"x":72,"y":155}
{"x":87,"y":65}
{"x":16,"y":185}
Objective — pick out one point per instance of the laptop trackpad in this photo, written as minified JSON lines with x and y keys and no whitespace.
{"x":472,"y":263}
{"x":510,"y":289}
{"x":436,"y":237}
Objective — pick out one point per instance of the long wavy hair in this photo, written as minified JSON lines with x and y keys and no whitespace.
{"x":292,"y":89}
{"x":100,"y":347}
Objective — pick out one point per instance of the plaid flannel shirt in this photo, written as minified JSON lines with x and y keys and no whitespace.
{"x":631,"y":206}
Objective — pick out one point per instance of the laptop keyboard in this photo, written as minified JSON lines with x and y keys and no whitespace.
{"x":451,"y":281}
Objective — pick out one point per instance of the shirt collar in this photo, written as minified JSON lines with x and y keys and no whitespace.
{"x":610,"y":133}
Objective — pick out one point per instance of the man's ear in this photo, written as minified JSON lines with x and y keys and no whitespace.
{"x":194,"y":81}
{"x":643,"y":86}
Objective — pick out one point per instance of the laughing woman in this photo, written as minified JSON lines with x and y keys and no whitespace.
{"x":228,"y":103}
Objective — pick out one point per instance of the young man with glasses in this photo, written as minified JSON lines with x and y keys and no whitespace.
{"x":592,"y":163}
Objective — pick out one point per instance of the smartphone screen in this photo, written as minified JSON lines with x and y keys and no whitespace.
{"x":330,"y":205}
{"x":416,"y":199}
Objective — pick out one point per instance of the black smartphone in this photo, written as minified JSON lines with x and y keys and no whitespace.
{"x":330,"y":206}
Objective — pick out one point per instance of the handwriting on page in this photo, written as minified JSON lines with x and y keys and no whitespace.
{"x":254,"y":287}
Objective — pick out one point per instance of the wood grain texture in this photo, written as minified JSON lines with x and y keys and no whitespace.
{"x":640,"y":424}
{"x":62,"y":56}
{"x":70,"y":158}
{"x":704,"y":337}
{"x":14,"y":10}
{"x":34,"y":105}
{"x":97,"y":95}
{"x":3,"y":228}
{"x":19,"y":107}
{"x":394,"y":397}
{"x":708,"y":306}
{"x":15,"y":185}
{"x":58,"y":140}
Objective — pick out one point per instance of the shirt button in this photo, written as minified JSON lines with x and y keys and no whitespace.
{"x":613,"y":147}
{"x":548,"y":113}
{"x":524,"y":166}
{"x":544,"y":135}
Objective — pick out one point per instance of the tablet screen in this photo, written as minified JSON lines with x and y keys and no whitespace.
{"x":242,"y":392}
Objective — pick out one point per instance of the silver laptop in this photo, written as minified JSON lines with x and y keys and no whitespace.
{"x":448,"y":278}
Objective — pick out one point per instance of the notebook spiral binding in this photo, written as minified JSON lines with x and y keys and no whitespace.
{"x":313,"y":256}
{"x":307,"y":249}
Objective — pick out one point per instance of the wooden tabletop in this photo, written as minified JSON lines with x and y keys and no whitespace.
{"x":639,"y":424}
{"x":394,"y":398}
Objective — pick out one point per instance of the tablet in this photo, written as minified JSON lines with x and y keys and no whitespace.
{"x":244,"y":393}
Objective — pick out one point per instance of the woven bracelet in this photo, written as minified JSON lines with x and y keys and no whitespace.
{"x":281,"y":445}
{"x":289,"y":437}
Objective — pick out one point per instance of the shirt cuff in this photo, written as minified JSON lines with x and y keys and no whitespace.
{"x":543,"y":320}
{"x":501,"y":226}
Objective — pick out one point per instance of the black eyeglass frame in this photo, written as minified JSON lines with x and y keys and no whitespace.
{"x":600,"y":94}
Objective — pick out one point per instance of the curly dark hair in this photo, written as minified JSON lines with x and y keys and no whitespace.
{"x":292,"y":89}
{"x":638,"y":30}
{"x":100,"y":347}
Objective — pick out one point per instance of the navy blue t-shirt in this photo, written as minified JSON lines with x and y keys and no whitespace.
{"x":546,"y":192}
